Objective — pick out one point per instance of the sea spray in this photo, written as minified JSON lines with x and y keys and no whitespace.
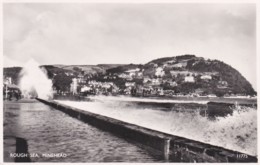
{"x":236,"y":132}
{"x":133,"y":99}
{"x":34,"y":80}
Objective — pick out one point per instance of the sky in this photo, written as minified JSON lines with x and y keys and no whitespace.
{"x":114,"y":33}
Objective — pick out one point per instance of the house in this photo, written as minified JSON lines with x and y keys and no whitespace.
{"x":69,"y":73}
{"x":206,"y":77}
{"x":81,"y":78}
{"x":122,"y":75}
{"x":85,"y":89}
{"x":133,"y":70}
{"x":160,"y":91}
{"x":127,"y":91}
{"x":189,"y":79}
{"x":146,"y":79}
{"x":199,"y":91}
{"x":180,"y":64}
{"x":222,"y":84}
{"x":106,"y":85}
{"x":173,"y":84}
{"x":156,"y":81}
{"x":129,"y":84}
{"x":131,"y":74}
{"x":170,"y":62}
{"x":127,"y":76}
{"x":159,"y":72}
{"x":139,"y":75}
{"x":153,"y":64}
{"x":211,"y":95}
{"x":139,"y":90}
{"x":94,"y":83}
{"x":168,"y":92}
{"x":183,"y":73}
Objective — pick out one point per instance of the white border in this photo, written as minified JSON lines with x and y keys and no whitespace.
{"x":125,"y":1}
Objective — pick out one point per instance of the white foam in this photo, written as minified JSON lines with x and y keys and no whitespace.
{"x":135,"y":99}
{"x":34,"y":78}
{"x":237,"y":132}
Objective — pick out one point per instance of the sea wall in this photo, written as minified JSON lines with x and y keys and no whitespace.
{"x":171,"y":148}
{"x":70,"y":97}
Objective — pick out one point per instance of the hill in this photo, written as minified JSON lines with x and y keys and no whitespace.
{"x":185,"y":74}
{"x":210,"y":76}
{"x":88,"y":69}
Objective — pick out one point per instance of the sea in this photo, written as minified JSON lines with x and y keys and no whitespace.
{"x":47,"y":130}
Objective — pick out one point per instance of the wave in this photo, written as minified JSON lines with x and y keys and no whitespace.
{"x":236,"y":132}
{"x":134,"y":99}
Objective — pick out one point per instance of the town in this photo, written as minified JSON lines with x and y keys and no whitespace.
{"x":186,"y":75}
{"x":132,"y":82}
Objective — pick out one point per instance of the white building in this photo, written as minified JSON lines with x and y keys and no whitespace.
{"x":180,"y":64}
{"x":139,"y":74}
{"x":189,"y":79}
{"x":8,"y":80}
{"x":73,"y":86}
{"x":173,"y":83}
{"x":130,"y":84}
{"x":177,"y":65}
{"x":146,"y":79}
{"x":206,"y":77}
{"x":156,"y":81}
{"x":125,"y":76}
{"x":85,"y":89}
{"x":159,"y":72}
{"x":133,"y":70}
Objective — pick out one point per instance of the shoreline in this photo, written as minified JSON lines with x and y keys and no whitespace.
{"x":108,"y":123}
{"x":179,"y":99}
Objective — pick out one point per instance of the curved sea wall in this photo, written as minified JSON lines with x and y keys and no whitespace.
{"x":172,"y":148}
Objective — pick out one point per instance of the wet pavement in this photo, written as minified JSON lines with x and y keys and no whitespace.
{"x":52,"y":136}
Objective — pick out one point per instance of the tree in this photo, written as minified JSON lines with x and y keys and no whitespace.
{"x":62,"y":82}
{"x":77,"y":69}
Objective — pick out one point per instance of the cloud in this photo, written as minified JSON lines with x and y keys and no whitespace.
{"x":131,"y":33}
{"x":10,"y":62}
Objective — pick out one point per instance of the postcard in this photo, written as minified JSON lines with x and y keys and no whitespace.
{"x":129,"y":82}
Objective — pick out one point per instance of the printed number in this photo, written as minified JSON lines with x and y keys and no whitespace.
{"x":242,"y":156}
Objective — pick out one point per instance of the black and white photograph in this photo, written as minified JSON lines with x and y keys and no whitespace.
{"x":124,"y":82}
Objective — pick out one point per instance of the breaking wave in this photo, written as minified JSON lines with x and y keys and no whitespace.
{"x":236,"y":132}
{"x":34,"y":81}
{"x":134,"y":99}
